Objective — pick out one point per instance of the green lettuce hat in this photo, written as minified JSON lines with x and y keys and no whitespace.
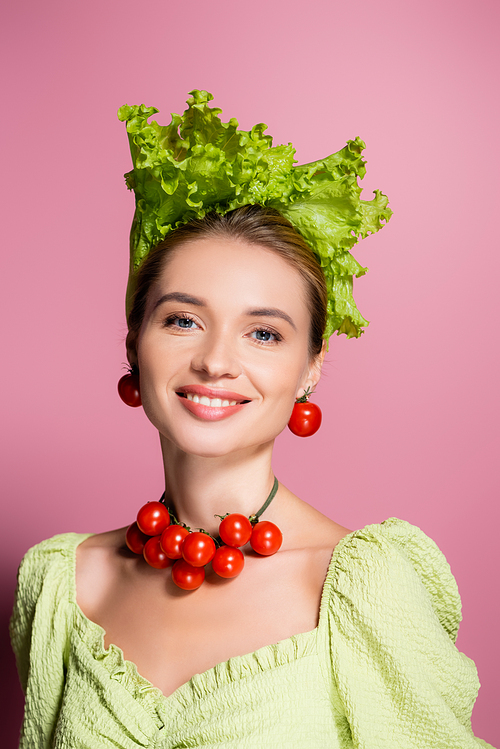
{"x":198,"y":164}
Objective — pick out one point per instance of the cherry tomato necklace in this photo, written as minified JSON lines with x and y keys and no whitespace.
{"x":164,"y":541}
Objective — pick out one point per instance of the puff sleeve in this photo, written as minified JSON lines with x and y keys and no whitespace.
{"x":38,"y":629}
{"x":393,"y":614}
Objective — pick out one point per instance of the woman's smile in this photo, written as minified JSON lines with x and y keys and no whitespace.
{"x":208,"y":410}
{"x":211,"y":404}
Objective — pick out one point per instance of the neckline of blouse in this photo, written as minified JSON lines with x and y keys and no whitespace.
{"x":284,"y":651}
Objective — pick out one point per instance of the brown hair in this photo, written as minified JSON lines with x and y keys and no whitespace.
{"x":253,"y":224}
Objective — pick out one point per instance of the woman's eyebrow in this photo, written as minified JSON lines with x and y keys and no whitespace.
{"x":179,"y":296}
{"x":270,"y":312}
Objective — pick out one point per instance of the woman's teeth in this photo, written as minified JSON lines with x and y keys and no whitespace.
{"x":213,"y":402}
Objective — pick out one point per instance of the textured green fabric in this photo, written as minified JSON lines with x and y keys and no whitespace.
{"x":379,"y":671}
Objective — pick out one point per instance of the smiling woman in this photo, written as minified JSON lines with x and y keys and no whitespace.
{"x":275,"y":626}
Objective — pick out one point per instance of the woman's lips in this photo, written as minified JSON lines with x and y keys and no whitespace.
{"x":208,"y":412}
{"x":212,"y":393}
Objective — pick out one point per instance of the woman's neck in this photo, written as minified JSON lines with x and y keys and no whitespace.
{"x":198,"y":488}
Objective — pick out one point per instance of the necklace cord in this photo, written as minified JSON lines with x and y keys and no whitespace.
{"x":268,"y":500}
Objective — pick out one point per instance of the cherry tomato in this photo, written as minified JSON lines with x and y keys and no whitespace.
{"x":171,"y":540}
{"x":135,"y":538}
{"x":186,"y":576}
{"x":198,"y":549}
{"x":305,"y":419}
{"x":154,"y":554}
{"x":153,"y":518}
{"x":235,"y":530}
{"x":266,"y":538}
{"x":128,"y":390}
{"x":228,"y":561}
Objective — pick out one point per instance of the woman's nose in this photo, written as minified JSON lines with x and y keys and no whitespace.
{"x":217,"y":357}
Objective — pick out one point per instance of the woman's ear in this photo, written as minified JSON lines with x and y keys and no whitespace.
{"x":131,"y":346}
{"x":313,"y":373}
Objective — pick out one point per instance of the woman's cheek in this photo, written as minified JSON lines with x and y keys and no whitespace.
{"x":153,"y":396}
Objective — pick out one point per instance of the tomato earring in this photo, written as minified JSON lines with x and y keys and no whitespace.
{"x":306,"y":417}
{"x":128,"y":390}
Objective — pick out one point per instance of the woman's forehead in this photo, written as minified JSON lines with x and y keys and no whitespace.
{"x":235,"y":270}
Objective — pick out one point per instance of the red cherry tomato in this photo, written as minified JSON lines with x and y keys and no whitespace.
{"x":198,"y":549}
{"x":228,"y":561}
{"x":153,"y":518}
{"x":186,"y":576}
{"x":135,"y":538}
{"x":235,"y":530}
{"x":266,"y":538}
{"x":305,"y":419}
{"x":154,"y":554}
{"x":128,"y":390}
{"x":171,"y":540}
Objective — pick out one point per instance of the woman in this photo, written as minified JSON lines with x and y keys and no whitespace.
{"x":228,"y":310}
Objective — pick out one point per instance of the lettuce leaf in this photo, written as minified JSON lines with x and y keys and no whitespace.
{"x":198,"y":164}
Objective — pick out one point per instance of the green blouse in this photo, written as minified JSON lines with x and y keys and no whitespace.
{"x":380,"y":671}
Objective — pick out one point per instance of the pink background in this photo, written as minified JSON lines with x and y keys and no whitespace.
{"x":410,"y":409}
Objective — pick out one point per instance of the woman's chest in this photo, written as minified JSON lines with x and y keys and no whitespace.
{"x":170,"y":635}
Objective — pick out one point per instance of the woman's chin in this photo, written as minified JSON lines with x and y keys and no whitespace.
{"x":215,"y":443}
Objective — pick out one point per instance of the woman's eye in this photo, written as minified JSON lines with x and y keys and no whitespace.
{"x":180,"y":321}
{"x":265,"y":336}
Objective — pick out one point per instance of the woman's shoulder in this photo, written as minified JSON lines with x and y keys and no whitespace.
{"x":392,"y":611}
{"x":51,"y":555}
{"x":42,"y":602}
{"x":392,"y":536}
{"x":99,"y":561}
{"x":394,"y":561}
{"x":45,"y":572}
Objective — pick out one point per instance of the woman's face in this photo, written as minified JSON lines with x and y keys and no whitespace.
{"x":223,"y":349}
